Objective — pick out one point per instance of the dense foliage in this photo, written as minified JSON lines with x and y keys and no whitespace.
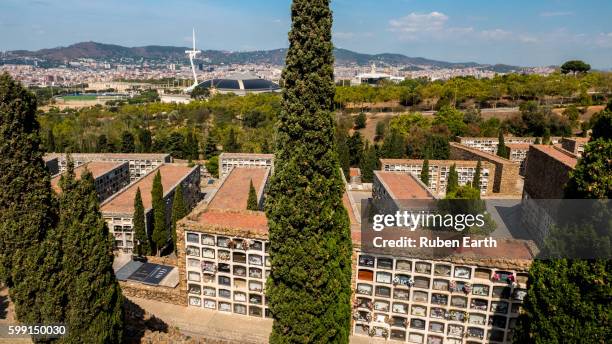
{"x":252,"y":203}
{"x":142,"y":245}
{"x":309,"y":289}
{"x":179,"y":210}
{"x":160,"y":230}
{"x":93,"y":310}
{"x":570,"y":300}
{"x":29,"y":258}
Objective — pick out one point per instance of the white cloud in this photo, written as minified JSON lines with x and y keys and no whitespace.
{"x":496,"y":34}
{"x":556,"y":14}
{"x":604,"y":40}
{"x":419,"y":22}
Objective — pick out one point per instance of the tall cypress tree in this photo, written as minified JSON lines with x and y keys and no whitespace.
{"x":94,"y":313}
{"x":252,"y":201}
{"x":343,"y":152}
{"x":425,"y":172}
{"x":452,"y":183}
{"x":476,"y":178}
{"x":141,"y":239}
{"x":309,"y":288}
{"x":179,"y":210}
{"x":369,"y":163}
{"x":127,"y":142}
{"x":28,"y":211}
{"x":160,"y":232}
{"x":502,"y":149}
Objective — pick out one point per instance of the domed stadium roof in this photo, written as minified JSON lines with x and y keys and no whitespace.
{"x":240,"y":83}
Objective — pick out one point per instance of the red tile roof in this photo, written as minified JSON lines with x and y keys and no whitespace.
{"x":234,"y":191}
{"x":402,"y":185}
{"x":558,"y":154}
{"x":123,"y":202}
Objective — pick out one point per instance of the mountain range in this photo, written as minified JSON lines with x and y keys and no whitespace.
{"x":102,"y":51}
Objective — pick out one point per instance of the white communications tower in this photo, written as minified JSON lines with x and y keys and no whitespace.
{"x":192,"y":55}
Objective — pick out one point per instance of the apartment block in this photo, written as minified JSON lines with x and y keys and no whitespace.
{"x":109,"y":177}
{"x":439,"y":170}
{"x":140,"y":163}
{"x":547,"y":172}
{"x":223,"y":248}
{"x":506,"y":178}
{"x":118,"y":211}
{"x":574,"y":145}
{"x":227,"y":161}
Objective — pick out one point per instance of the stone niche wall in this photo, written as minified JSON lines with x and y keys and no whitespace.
{"x":156,"y":293}
{"x":506,"y":179}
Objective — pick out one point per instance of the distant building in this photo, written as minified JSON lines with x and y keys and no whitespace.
{"x":547,"y":171}
{"x":118,"y":211}
{"x":109,"y":177}
{"x":489,"y":144}
{"x":140,"y":163}
{"x":240,"y":84}
{"x":399,"y":186}
{"x":439,"y":169}
{"x":506,"y":179}
{"x":375,"y":78}
{"x":227,"y":161}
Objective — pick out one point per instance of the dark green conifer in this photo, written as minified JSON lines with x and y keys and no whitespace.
{"x":127,"y":142}
{"x":179,"y":210}
{"x":142,"y":246}
{"x":502,"y":149}
{"x":452,"y":182}
{"x":28,"y":211}
{"x":425,"y":172}
{"x":252,"y":201}
{"x":231,"y":143}
{"x":309,"y":289}
{"x":369,"y":163}
{"x":160,"y":230}
{"x":94,"y":311}
{"x":476,"y":178}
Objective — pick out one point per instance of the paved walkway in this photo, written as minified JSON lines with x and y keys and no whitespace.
{"x":203,"y":323}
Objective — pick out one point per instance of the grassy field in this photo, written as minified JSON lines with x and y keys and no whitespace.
{"x":85,"y":97}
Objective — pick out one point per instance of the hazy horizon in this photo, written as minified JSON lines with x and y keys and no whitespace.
{"x":522,"y":33}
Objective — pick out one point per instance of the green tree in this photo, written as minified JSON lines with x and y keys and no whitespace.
{"x":231,"y":143}
{"x":502,"y":149}
{"x":191,"y":146}
{"x":602,"y":125}
{"x":344,"y":153}
{"x":142,"y":246}
{"x":103,"y":145}
{"x":425,"y":172}
{"x":210,"y":147}
{"x":160,"y":230}
{"x":212,"y":166}
{"x":369,"y":163}
{"x":546,"y":137}
{"x":179,"y":210}
{"x":394,"y":146}
{"x":29,"y":253}
{"x":127,"y":142}
{"x":380,"y":131}
{"x":355,"y":146}
{"x":452,"y":182}
{"x":476,"y":178}
{"x":309,"y":301}
{"x":575,"y":67}
{"x":175,"y":145}
{"x":568,"y":300}
{"x":94,"y":312}
{"x":360,"y":121}
{"x":145,"y":141}
{"x":252,"y":203}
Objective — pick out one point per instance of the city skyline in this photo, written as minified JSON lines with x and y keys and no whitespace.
{"x":521,"y":33}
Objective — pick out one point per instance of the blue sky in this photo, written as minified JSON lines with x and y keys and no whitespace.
{"x":536,"y":32}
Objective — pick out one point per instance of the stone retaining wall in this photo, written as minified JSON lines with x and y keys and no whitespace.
{"x":157,"y":293}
